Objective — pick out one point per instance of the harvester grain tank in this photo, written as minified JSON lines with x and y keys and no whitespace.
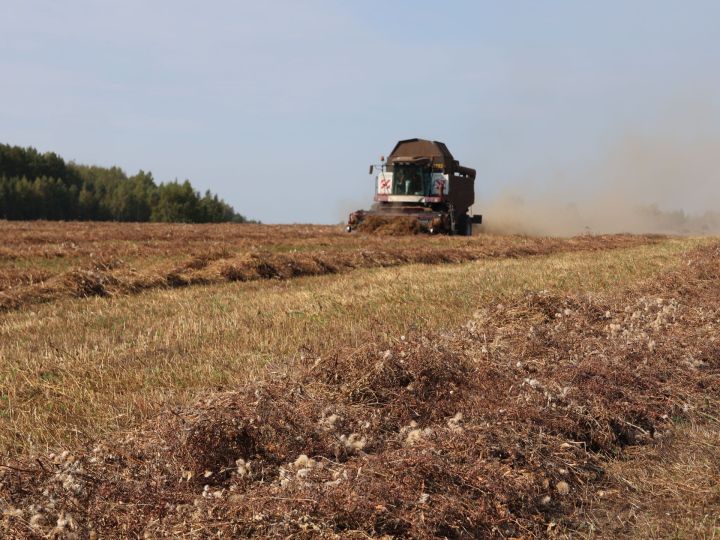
{"x":421,"y":179}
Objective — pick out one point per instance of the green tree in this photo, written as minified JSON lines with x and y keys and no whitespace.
{"x":44,"y":186}
{"x":177,"y":203}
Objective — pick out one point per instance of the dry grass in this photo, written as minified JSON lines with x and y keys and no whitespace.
{"x":43,"y":262}
{"x":572,"y":403}
{"x":100,"y":364}
{"x":669,"y":490}
{"x":505,"y":427}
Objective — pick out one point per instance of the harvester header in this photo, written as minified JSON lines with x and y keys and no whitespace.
{"x":422,"y":179}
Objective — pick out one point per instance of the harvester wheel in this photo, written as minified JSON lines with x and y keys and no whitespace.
{"x":464,"y":225}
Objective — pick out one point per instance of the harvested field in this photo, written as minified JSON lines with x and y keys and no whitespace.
{"x":544,"y":388}
{"x":44,"y":262}
{"x":499,"y":428}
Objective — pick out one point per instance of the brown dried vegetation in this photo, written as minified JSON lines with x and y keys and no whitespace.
{"x":45,"y":261}
{"x":389,"y":226}
{"x":505,"y":427}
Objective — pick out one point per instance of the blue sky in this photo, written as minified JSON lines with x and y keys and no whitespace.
{"x":280,"y":106}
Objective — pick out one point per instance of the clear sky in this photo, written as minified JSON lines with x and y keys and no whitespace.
{"x":280,"y":106}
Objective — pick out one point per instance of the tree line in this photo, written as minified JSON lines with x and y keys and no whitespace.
{"x":36,"y":185}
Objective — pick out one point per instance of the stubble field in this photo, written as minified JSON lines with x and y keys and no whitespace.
{"x":296,"y":381}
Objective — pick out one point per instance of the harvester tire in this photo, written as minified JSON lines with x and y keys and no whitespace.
{"x":463,"y":225}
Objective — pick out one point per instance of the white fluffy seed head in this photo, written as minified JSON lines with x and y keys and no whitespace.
{"x":304,"y":462}
{"x":328,"y":423}
{"x":414,"y":436}
{"x":243,"y":468}
{"x":454,"y":423}
{"x":353,"y":442}
{"x":38,"y":521}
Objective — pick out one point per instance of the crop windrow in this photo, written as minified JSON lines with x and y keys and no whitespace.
{"x":508,"y":426}
{"x":101,"y":263}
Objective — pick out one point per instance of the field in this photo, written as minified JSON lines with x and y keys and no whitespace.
{"x":297,"y":382}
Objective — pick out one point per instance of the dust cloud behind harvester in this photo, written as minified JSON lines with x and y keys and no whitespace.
{"x":666,"y":181}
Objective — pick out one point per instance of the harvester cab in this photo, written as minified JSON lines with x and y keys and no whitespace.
{"x":422,"y":180}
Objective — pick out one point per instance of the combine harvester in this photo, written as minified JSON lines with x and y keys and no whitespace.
{"x":422,"y":180}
